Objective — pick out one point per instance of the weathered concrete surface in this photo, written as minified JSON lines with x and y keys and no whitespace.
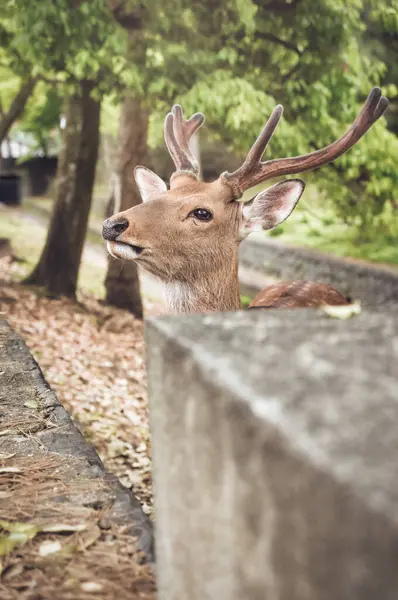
{"x":49,"y":429}
{"x":275,"y":443}
{"x":372,"y":285}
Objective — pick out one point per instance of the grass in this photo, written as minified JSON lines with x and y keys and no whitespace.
{"x":26,"y":228}
{"x":27,"y":239}
{"x":91,"y":279}
{"x":313,"y":225}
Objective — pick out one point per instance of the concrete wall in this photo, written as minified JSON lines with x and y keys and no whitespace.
{"x":372,"y":285}
{"x":275,"y":442}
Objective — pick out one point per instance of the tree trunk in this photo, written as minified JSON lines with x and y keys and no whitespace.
{"x":17,"y":106}
{"x":122,"y":282}
{"x":59,"y":263}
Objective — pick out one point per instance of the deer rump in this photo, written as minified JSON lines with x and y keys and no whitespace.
{"x":298,"y":294}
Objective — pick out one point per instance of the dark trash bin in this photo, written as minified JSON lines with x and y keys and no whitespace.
{"x":10,"y":189}
{"x":40,"y":172}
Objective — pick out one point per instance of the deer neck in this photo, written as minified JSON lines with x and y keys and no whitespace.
{"x":215,"y":292}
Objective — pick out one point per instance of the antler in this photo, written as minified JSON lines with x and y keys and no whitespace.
{"x":253,"y":171}
{"x":177,"y":133}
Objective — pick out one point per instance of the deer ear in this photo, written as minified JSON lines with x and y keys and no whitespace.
{"x":148,"y":183}
{"x":272,"y":206}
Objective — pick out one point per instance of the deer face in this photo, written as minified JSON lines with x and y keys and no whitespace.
{"x":194,"y":228}
{"x":176,"y":234}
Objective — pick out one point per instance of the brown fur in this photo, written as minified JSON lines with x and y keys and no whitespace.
{"x":201,"y":257}
{"x":297,"y":294}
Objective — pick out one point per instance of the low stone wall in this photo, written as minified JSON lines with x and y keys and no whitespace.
{"x":372,"y":285}
{"x":275,"y":445}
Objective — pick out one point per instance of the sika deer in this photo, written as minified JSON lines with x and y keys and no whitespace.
{"x":189,"y":235}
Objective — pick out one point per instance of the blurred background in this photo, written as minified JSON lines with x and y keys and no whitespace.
{"x":85,"y":87}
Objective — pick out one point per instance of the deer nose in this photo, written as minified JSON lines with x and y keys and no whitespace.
{"x":111,"y":229}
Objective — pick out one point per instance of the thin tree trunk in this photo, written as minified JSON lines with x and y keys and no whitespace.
{"x":59,"y":263}
{"x":122,"y":282}
{"x":17,"y":106}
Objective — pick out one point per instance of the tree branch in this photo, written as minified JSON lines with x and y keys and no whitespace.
{"x":128,"y":19}
{"x":292,"y":71}
{"x":17,"y":106}
{"x":277,"y":5}
{"x":274,"y":39}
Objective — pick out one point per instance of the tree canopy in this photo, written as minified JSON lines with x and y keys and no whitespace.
{"x":319,"y":65}
{"x":234,"y":61}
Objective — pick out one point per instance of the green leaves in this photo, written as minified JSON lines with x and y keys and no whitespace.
{"x":385,"y":15}
{"x":15,"y":534}
{"x":57,"y":37}
{"x":31,"y":404}
{"x":247,"y":13}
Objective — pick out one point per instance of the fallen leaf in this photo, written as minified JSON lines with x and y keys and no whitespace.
{"x":63,"y":528}
{"x":10,"y":470}
{"x":49,"y":547}
{"x":345,"y":311}
{"x":89,"y":537}
{"x":31,"y":404}
{"x":19,"y":534}
{"x":18,"y":527}
{"x":91,"y":587}
{"x":14,"y":571}
{"x":5,"y":495}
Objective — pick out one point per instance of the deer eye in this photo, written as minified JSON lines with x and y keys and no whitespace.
{"x":202,"y":214}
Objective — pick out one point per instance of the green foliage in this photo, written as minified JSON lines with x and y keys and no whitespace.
{"x":385,"y":15}
{"x":42,"y":118}
{"x":314,"y":224}
{"x":290,"y":60}
{"x":245,"y":300}
{"x":71,"y":41}
{"x":9,"y":85}
{"x":234,"y":61}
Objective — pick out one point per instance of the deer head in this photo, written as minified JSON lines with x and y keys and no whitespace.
{"x":189,"y":235}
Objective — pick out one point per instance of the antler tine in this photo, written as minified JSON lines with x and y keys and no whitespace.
{"x":261,"y":143}
{"x":186,"y":128}
{"x":253,"y":158}
{"x":242,"y":179}
{"x":177,"y":133}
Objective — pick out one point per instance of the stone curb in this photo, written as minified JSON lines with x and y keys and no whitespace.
{"x":67,"y":440}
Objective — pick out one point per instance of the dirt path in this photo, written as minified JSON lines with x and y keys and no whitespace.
{"x":94,"y":253}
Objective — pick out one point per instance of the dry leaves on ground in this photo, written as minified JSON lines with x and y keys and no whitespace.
{"x":52,"y":546}
{"x":93,"y":358}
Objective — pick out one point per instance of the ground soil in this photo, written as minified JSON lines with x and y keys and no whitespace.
{"x":93,"y":358}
